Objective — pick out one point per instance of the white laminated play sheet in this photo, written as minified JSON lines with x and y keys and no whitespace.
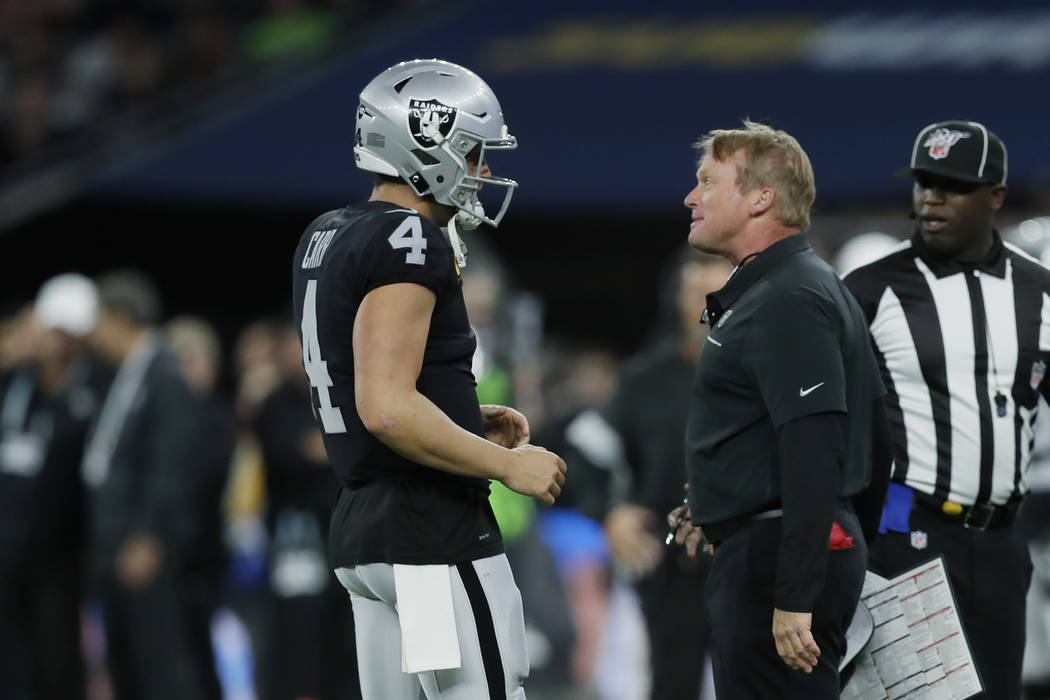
{"x":918,"y":650}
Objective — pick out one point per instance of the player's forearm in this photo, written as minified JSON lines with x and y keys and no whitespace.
{"x":411,"y":425}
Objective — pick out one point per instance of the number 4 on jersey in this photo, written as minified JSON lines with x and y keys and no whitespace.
{"x":316,"y":368}
{"x":410,"y":235}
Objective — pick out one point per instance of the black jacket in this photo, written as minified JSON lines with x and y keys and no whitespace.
{"x":150,"y":471}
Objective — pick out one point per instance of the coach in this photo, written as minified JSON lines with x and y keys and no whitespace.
{"x":961,"y":324}
{"x":780,"y":434}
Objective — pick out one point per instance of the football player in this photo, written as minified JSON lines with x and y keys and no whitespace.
{"x":388,"y":348}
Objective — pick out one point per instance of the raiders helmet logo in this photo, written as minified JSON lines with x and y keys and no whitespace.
{"x":941,"y":141}
{"x":430,"y":121}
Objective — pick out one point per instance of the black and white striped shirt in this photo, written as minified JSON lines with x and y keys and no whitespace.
{"x":963,"y":351}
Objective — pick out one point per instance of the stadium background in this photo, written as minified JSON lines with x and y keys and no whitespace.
{"x":194,"y":140}
{"x":208,"y":185}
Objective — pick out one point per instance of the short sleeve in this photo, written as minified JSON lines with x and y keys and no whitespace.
{"x":867,"y":287}
{"x":407,"y":249}
{"x":795,"y":355}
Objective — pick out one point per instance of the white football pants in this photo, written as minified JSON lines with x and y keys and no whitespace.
{"x":489,"y":625}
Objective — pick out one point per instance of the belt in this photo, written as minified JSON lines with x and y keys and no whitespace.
{"x":716,"y":533}
{"x":981,"y":517}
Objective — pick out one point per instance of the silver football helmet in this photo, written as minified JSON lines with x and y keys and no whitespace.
{"x":421,"y":121}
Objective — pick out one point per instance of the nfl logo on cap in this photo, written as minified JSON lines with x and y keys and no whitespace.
{"x":960,"y":150}
{"x":941,"y":141}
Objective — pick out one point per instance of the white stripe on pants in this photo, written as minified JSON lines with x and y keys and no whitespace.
{"x":372,"y":591}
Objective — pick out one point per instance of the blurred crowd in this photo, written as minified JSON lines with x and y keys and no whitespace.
{"x":69,"y":65}
{"x":164,"y":500}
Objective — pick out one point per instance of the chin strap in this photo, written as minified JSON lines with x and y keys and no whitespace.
{"x":458,"y":246}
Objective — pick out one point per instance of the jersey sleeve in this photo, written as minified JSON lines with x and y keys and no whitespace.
{"x":795,"y":354}
{"x":407,"y":248}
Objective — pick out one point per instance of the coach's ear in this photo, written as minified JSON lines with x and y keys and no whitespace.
{"x":761,"y":201}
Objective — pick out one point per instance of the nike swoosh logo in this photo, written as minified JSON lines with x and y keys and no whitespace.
{"x":805,"y":392}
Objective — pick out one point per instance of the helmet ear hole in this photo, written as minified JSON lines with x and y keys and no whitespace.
{"x":424,"y":157}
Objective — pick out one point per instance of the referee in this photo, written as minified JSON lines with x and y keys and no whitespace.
{"x":961,"y":326}
{"x":783,"y":411}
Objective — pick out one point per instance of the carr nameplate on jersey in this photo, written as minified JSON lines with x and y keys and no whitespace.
{"x":318,"y":246}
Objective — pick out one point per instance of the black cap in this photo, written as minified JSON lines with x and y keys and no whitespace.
{"x":960,"y":150}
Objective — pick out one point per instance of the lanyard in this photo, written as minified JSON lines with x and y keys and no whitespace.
{"x":16,"y":403}
{"x":115,"y":410}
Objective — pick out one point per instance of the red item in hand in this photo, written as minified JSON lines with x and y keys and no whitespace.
{"x":839,"y":539}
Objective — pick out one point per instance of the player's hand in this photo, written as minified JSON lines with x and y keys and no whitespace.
{"x":633,"y":545}
{"x":535,"y":472}
{"x":504,"y":426}
{"x":794,"y":640}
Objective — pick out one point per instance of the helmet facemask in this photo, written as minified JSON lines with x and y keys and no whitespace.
{"x":468,"y":151}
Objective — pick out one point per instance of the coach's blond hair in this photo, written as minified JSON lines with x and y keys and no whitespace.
{"x":772,"y":158}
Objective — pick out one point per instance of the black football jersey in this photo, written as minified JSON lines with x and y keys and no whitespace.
{"x":342,"y":256}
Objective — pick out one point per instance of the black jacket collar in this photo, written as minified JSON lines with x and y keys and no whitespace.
{"x":746,"y":276}
{"x":993,"y":264}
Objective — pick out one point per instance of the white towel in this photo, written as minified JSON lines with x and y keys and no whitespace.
{"x":429,"y":641}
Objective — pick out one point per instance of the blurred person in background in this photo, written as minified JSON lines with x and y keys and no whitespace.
{"x":862,"y":249}
{"x":17,"y":333}
{"x":198,"y":350}
{"x":1033,"y":236}
{"x":506,"y":324}
{"x":256,"y":367}
{"x":961,"y":326}
{"x":311,"y":627}
{"x":1035,"y":521}
{"x":256,"y":374}
{"x":47,"y":402}
{"x":578,"y":380}
{"x":387,"y":346}
{"x":138,"y":467}
{"x":648,"y":413}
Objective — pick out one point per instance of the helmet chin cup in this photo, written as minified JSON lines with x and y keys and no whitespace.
{"x":467,"y":221}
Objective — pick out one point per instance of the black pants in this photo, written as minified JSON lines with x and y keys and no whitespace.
{"x":311,"y":652}
{"x":199,"y":595}
{"x":146,"y":650}
{"x":672,"y":600}
{"x":740,"y":602}
{"x":990,"y":572}
{"x":40,"y":596}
